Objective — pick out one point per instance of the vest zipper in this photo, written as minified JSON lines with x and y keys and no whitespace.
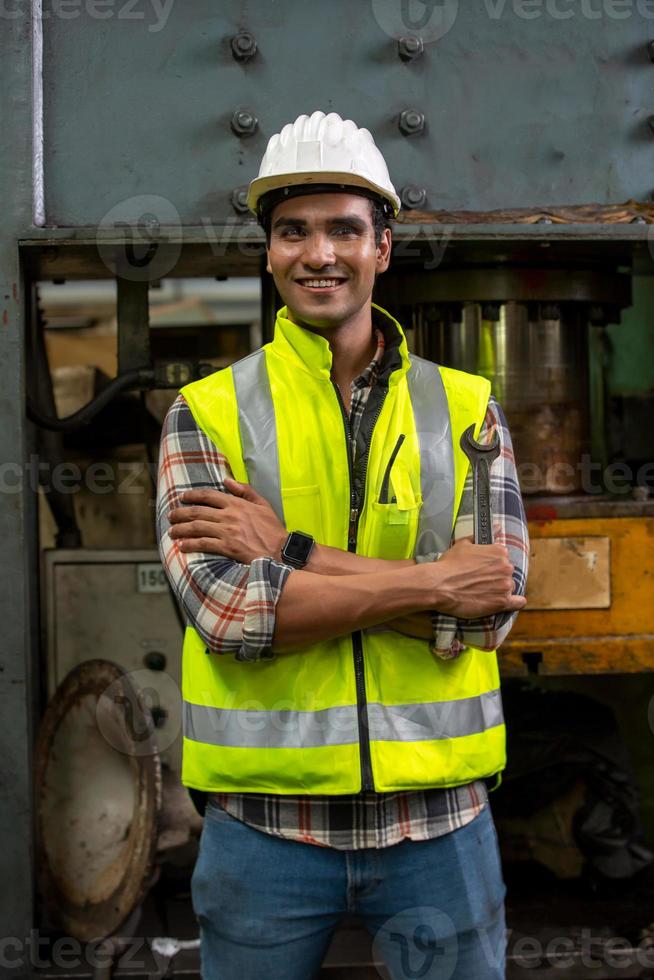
{"x":367,"y":782}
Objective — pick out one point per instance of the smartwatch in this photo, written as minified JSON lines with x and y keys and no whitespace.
{"x":297,"y":548}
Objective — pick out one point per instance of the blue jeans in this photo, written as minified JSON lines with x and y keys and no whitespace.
{"x":268,"y":907}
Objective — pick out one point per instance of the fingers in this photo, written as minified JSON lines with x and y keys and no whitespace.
{"x":243,"y":490}
{"x":516,"y":602}
{"x":209,"y":546}
{"x":184,"y":515}
{"x":196,"y":529}
{"x":206,"y":497}
{"x":489,"y":550}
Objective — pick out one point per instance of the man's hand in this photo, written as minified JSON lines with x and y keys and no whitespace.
{"x":474,"y":580}
{"x":240,"y":524}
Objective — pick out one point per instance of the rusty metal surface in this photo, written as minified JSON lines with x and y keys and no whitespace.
{"x":98,"y":797}
{"x":618,"y":214}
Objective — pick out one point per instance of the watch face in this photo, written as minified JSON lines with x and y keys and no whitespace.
{"x":298,"y":547}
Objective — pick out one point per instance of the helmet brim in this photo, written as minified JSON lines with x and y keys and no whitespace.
{"x":341,"y":179}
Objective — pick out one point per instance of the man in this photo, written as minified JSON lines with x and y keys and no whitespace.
{"x":341,"y":701}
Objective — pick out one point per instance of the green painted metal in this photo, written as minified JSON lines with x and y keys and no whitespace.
{"x":526,"y":103}
{"x":630,"y":368}
{"x":18,"y":586}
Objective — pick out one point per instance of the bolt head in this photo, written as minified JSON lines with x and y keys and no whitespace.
{"x":244,"y":123}
{"x":411,"y":122}
{"x":244,"y":46}
{"x":409,"y":47}
{"x":413,"y":196}
{"x":239,"y":199}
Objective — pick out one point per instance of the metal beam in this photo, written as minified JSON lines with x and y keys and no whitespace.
{"x":18,"y":584}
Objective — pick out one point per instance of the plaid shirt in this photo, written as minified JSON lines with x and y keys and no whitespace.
{"x":232,"y":606}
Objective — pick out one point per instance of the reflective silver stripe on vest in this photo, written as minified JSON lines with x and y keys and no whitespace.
{"x":432,"y":420}
{"x":271,"y":729}
{"x":256,"y":422}
{"x":288,"y":729}
{"x":435,"y":719}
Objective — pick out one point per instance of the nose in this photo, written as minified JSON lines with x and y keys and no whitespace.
{"x":318,"y":250}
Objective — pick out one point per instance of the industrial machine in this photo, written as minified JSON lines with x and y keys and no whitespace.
{"x":540,"y":335}
{"x":521,"y":143}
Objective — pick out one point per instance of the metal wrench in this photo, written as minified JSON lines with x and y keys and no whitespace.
{"x":481,"y":458}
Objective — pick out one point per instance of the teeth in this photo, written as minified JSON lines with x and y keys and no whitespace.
{"x":321,"y":282}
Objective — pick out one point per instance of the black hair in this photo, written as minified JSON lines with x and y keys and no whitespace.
{"x":380,"y":218}
{"x":381,"y":210}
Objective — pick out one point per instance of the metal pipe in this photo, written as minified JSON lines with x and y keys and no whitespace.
{"x":139,"y":378}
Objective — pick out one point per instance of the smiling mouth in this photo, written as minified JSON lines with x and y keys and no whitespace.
{"x":321,"y":284}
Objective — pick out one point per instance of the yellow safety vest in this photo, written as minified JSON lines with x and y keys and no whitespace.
{"x":374,"y":710}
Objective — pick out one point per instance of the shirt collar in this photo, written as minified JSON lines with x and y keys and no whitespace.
{"x":370,"y":374}
{"x":310,"y":352}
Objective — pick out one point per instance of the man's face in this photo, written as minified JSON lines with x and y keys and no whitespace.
{"x":326,"y":238}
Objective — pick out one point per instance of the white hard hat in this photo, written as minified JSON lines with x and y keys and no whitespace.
{"x":322,"y":149}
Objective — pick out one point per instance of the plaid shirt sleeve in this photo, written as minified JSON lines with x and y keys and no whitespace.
{"x":452,"y":635}
{"x":231,"y":605}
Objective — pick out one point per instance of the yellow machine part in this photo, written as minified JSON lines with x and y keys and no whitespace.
{"x":590,"y":608}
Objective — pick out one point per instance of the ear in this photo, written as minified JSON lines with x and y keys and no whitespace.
{"x":268,"y":267}
{"x":384,"y":251}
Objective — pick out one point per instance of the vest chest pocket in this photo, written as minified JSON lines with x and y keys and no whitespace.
{"x":393,"y":520}
{"x":303,"y":510}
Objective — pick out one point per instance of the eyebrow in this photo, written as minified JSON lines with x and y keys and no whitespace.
{"x":347,"y":219}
